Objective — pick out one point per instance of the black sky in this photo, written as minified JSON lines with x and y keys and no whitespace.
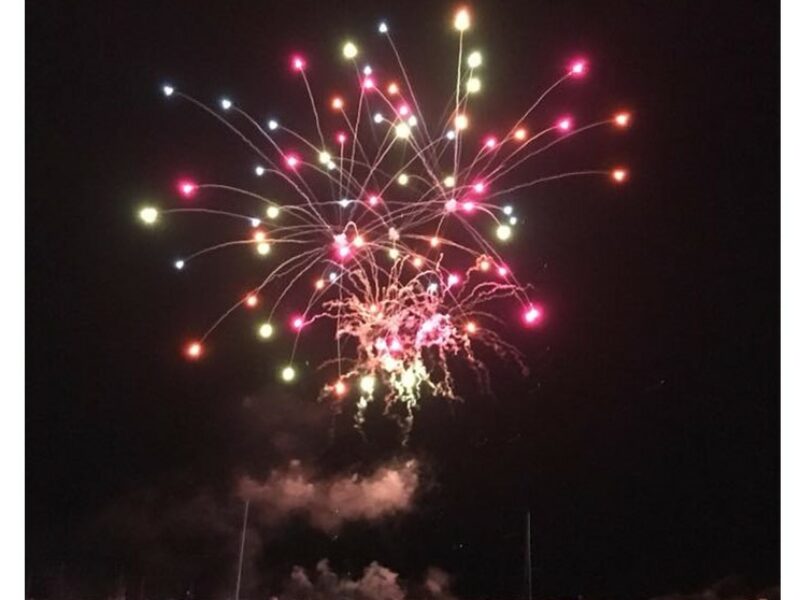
{"x":646,"y":440}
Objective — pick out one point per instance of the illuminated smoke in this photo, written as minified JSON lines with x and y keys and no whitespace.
{"x":375,"y":583}
{"x":330,"y":502}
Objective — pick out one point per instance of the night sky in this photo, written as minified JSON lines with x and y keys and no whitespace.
{"x":645,"y":441}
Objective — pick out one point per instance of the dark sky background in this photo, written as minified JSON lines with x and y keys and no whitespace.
{"x":645,"y":441}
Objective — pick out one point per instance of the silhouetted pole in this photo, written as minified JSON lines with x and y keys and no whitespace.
{"x":528,"y":557}
{"x":241,"y":550}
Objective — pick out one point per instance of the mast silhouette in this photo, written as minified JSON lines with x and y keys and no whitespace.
{"x":528,"y":557}
{"x":241,"y":549}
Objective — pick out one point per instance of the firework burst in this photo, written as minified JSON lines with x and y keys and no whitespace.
{"x":385,"y":227}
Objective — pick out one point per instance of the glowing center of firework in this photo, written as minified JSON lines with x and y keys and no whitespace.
{"x":402,"y":130}
{"x":408,"y":378}
{"x":367,"y":384}
{"x":390,"y":363}
{"x":434,"y":331}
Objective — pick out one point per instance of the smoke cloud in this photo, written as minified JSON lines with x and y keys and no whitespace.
{"x":376,"y":583}
{"x":329,"y":502}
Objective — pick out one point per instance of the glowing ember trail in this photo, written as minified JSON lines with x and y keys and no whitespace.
{"x":382,"y":226}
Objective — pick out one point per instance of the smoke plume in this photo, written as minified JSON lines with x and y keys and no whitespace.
{"x":330,"y":502}
{"x":376,"y":583}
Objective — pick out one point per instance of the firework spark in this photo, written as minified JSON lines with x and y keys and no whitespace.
{"x":383,"y":223}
